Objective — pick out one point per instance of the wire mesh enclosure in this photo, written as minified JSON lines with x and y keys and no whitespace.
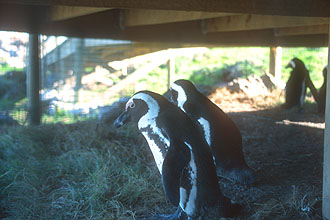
{"x":81,"y":76}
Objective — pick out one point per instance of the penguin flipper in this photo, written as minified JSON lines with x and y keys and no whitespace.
{"x":175,"y":161}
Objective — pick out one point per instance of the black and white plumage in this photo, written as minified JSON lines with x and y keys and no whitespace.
{"x":295,"y":89}
{"x":322,"y":92}
{"x":220,"y":132}
{"x":181,"y":154}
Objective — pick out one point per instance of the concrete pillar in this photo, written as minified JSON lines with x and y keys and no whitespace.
{"x":33,"y":81}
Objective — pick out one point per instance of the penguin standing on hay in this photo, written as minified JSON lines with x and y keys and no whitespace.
{"x":322,"y":92}
{"x":220,"y":132}
{"x":295,"y":89}
{"x":320,"y":95}
{"x":182,"y":157}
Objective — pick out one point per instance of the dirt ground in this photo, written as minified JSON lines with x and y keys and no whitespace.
{"x":285,"y":149}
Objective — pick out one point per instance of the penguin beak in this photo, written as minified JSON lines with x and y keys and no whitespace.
{"x":121,"y":120}
{"x":291,"y":64}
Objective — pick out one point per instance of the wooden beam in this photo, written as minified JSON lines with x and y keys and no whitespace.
{"x":24,"y":18}
{"x":92,"y":26}
{"x":326,"y":155}
{"x":138,"y":74}
{"x":303,"y":30}
{"x":179,"y":32}
{"x":136,"y":17}
{"x":59,"y":13}
{"x":255,"y":22}
{"x":308,"y":8}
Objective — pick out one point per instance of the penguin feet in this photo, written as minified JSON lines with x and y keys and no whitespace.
{"x":178,"y":215}
{"x":243,"y":176}
{"x":160,"y":217}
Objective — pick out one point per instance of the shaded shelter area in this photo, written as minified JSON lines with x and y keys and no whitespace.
{"x":179,"y":24}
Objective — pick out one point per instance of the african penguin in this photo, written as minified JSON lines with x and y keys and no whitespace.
{"x":182,"y":156}
{"x":220,"y":132}
{"x":295,"y":89}
{"x":322,"y":92}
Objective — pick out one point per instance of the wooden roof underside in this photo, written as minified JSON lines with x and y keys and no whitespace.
{"x":180,"y":23}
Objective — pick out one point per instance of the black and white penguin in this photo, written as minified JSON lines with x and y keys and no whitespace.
{"x":320,"y":95}
{"x":322,"y":92}
{"x":220,"y":132}
{"x":295,"y":89}
{"x":182,"y":157}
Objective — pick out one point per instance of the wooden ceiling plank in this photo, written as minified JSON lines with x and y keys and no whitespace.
{"x":138,"y":17}
{"x":303,"y":30}
{"x":307,"y":8}
{"x":59,"y":13}
{"x":255,"y":22}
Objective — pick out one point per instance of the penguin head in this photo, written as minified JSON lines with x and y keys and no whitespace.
{"x":296,"y":63}
{"x":298,"y":68}
{"x":291,"y":64}
{"x":325,"y":72}
{"x":140,"y":104}
{"x":180,"y":90}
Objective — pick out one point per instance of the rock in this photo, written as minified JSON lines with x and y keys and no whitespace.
{"x":271,"y":82}
{"x":252,"y":86}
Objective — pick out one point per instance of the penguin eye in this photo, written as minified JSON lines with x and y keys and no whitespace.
{"x":130,"y":104}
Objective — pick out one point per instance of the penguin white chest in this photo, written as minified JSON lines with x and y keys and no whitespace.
{"x":302,"y":94}
{"x":188,"y":194}
{"x":158,"y":145}
{"x":157,"y":142}
{"x":147,"y":125}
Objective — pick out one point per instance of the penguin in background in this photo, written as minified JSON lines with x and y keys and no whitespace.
{"x":320,"y":95}
{"x":220,"y":132}
{"x":322,"y":92}
{"x":295,"y":89}
{"x":182,"y":156}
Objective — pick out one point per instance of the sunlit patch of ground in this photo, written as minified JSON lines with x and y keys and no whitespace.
{"x":230,"y":101}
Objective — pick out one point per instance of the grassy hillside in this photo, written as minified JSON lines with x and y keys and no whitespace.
{"x":209,"y":66}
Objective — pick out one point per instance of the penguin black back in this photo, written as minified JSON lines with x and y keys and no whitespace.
{"x":322,"y":92}
{"x":219,"y":130}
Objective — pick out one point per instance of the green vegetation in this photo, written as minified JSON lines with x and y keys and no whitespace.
{"x":209,"y":67}
{"x":4,"y":68}
{"x":74,"y":172}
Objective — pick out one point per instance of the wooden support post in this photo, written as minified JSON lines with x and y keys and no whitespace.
{"x":170,"y":70}
{"x":78,"y":69}
{"x":275,"y":62}
{"x":33,"y":81}
{"x":326,"y":161}
{"x":43,"y":62}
